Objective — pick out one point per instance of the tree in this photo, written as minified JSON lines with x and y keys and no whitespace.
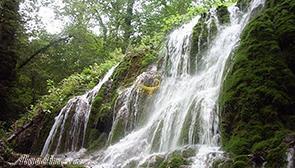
{"x":9,"y":23}
{"x":128,"y":18}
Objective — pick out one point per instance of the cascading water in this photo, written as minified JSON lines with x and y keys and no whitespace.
{"x":183,"y":113}
{"x":74,"y":118}
{"x":128,"y":107}
{"x":291,"y":158}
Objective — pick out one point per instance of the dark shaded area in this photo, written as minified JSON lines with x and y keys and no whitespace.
{"x":9,"y":23}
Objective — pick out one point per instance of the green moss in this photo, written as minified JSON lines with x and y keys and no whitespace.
{"x":223,"y":14}
{"x":222,"y":163}
{"x":243,"y":4}
{"x":257,"y":99}
{"x":118,"y":131}
{"x":98,"y":142}
{"x":200,"y":37}
{"x":240,"y":164}
{"x":186,"y":126}
{"x":175,"y":161}
{"x":240,"y":161}
{"x":238,"y":145}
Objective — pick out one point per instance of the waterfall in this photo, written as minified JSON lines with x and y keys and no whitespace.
{"x":291,"y":158}
{"x":182,"y":115}
{"x":68,"y":131}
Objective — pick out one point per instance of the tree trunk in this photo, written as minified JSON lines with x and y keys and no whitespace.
{"x":9,"y":20}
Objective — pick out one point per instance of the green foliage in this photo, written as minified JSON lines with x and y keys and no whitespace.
{"x":9,"y":26}
{"x":177,"y":19}
{"x":73,"y":85}
{"x":84,"y":47}
{"x":257,"y":100}
{"x":239,"y":164}
{"x":2,"y":130}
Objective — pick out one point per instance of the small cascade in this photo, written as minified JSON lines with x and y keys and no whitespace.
{"x":68,"y":131}
{"x":128,"y":110}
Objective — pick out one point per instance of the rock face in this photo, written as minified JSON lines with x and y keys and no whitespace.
{"x":258,"y":97}
{"x":28,"y":141}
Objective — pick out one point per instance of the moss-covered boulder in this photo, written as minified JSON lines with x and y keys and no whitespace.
{"x":258,"y":95}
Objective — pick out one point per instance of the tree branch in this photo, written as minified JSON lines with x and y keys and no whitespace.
{"x":41,"y":50}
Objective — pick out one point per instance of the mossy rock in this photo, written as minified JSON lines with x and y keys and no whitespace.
{"x":223,"y":14}
{"x":243,"y":4}
{"x":118,"y":131}
{"x":257,"y":100}
{"x":31,"y":140}
{"x":101,"y":117}
{"x":240,"y":164}
{"x":153,"y":162}
{"x":201,"y":35}
{"x":222,"y":163}
{"x":174,"y":161}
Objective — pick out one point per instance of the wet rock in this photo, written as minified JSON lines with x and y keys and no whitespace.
{"x":188,"y":152}
{"x":154,"y":161}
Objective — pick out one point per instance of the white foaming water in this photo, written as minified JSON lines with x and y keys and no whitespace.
{"x":290,"y":158}
{"x":74,"y":117}
{"x":184,"y":110}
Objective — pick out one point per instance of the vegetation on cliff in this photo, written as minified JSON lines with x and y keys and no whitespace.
{"x":257,"y":101}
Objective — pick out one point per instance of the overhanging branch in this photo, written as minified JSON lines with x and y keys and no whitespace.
{"x":41,"y":50}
